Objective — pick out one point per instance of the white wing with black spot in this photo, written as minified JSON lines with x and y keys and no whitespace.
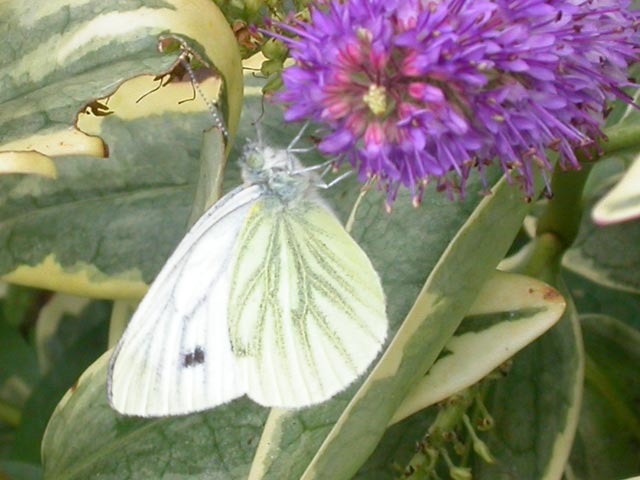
{"x":175,"y":356}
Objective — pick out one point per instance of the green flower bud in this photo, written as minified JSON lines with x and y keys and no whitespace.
{"x":460,"y":473}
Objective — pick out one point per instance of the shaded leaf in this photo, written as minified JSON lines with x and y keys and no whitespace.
{"x":10,"y":470}
{"x":81,"y":340}
{"x":536,"y":407}
{"x":89,"y":232}
{"x":608,"y":255}
{"x":593,"y":298}
{"x":607,"y":444}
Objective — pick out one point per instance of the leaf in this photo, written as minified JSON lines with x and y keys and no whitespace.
{"x":622,"y":203}
{"x":536,"y":407}
{"x":96,"y":46}
{"x":591,"y":298}
{"x":524,"y":306}
{"x":78,"y":342}
{"x":18,"y":365}
{"x":608,"y":436}
{"x":608,"y":255}
{"x":10,"y":470}
{"x":54,"y":330}
{"x":510,"y":312}
{"x":27,"y":162}
{"x":95,"y":241}
{"x":87,"y":232}
{"x":85,"y":438}
{"x":397,"y":447}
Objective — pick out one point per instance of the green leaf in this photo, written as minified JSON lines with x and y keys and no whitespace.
{"x":87,"y":232}
{"x":510,"y":312}
{"x":608,"y":436}
{"x":397,"y":447}
{"x":85,"y":438}
{"x":608,"y":255}
{"x":78,"y":342}
{"x":60,"y":323}
{"x":622,"y":203}
{"x":536,"y":407}
{"x":10,"y":470}
{"x":18,"y":367}
{"x":592,"y":298}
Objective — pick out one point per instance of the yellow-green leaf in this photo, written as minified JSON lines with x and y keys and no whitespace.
{"x":622,"y":203}
{"x":510,"y":312}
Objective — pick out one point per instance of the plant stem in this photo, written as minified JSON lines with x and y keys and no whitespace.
{"x":120,"y":315}
{"x":563,"y":213}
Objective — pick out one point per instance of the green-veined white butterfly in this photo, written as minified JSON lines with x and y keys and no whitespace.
{"x":267,"y":295}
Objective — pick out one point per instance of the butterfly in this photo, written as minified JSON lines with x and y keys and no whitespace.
{"x":267,"y":296}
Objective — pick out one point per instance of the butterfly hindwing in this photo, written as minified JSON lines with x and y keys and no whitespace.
{"x":307,"y":314}
{"x":175,"y":354}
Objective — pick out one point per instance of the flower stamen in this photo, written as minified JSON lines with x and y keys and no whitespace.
{"x":376,"y":99}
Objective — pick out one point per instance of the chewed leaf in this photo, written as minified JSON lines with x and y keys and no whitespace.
{"x":27,"y":162}
{"x":622,"y":203}
{"x":93,"y":223}
{"x":510,"y":312}
{"x":97,"y":46}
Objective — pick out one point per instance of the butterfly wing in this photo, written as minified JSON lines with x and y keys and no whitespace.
{"x":307,"y":314}
{"x":175,"y":356}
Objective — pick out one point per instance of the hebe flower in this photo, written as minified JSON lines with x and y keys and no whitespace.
{"x":414,"y":90}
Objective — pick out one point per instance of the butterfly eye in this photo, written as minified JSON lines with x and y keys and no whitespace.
{"x":255,"y":160}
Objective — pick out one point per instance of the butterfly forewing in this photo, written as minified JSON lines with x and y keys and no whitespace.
{"x":175,"y":355}
{"x":307,"y":314}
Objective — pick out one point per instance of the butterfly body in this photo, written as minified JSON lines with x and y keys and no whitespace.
{"x":266,"y":295}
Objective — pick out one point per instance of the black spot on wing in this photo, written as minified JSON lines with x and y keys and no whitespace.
{"x":191,"y":359}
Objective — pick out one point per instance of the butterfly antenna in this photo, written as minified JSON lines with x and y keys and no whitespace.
{"x":258,"y":131}
{"x":325,"y":186}
{"x":297,"y":137}
{"x":217,"y":119}
{"x":312,"y":168}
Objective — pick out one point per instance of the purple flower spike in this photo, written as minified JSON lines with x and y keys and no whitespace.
{"x":413,"y":90}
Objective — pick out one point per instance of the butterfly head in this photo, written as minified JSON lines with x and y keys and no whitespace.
{"x":276,"y":169}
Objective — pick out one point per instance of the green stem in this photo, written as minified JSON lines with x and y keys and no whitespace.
{"x":541,"y":258}
{"x":563,"y":213}
{"x":10,"y":414}
{"x":212,"y":164}
{"x":120,"y":315}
